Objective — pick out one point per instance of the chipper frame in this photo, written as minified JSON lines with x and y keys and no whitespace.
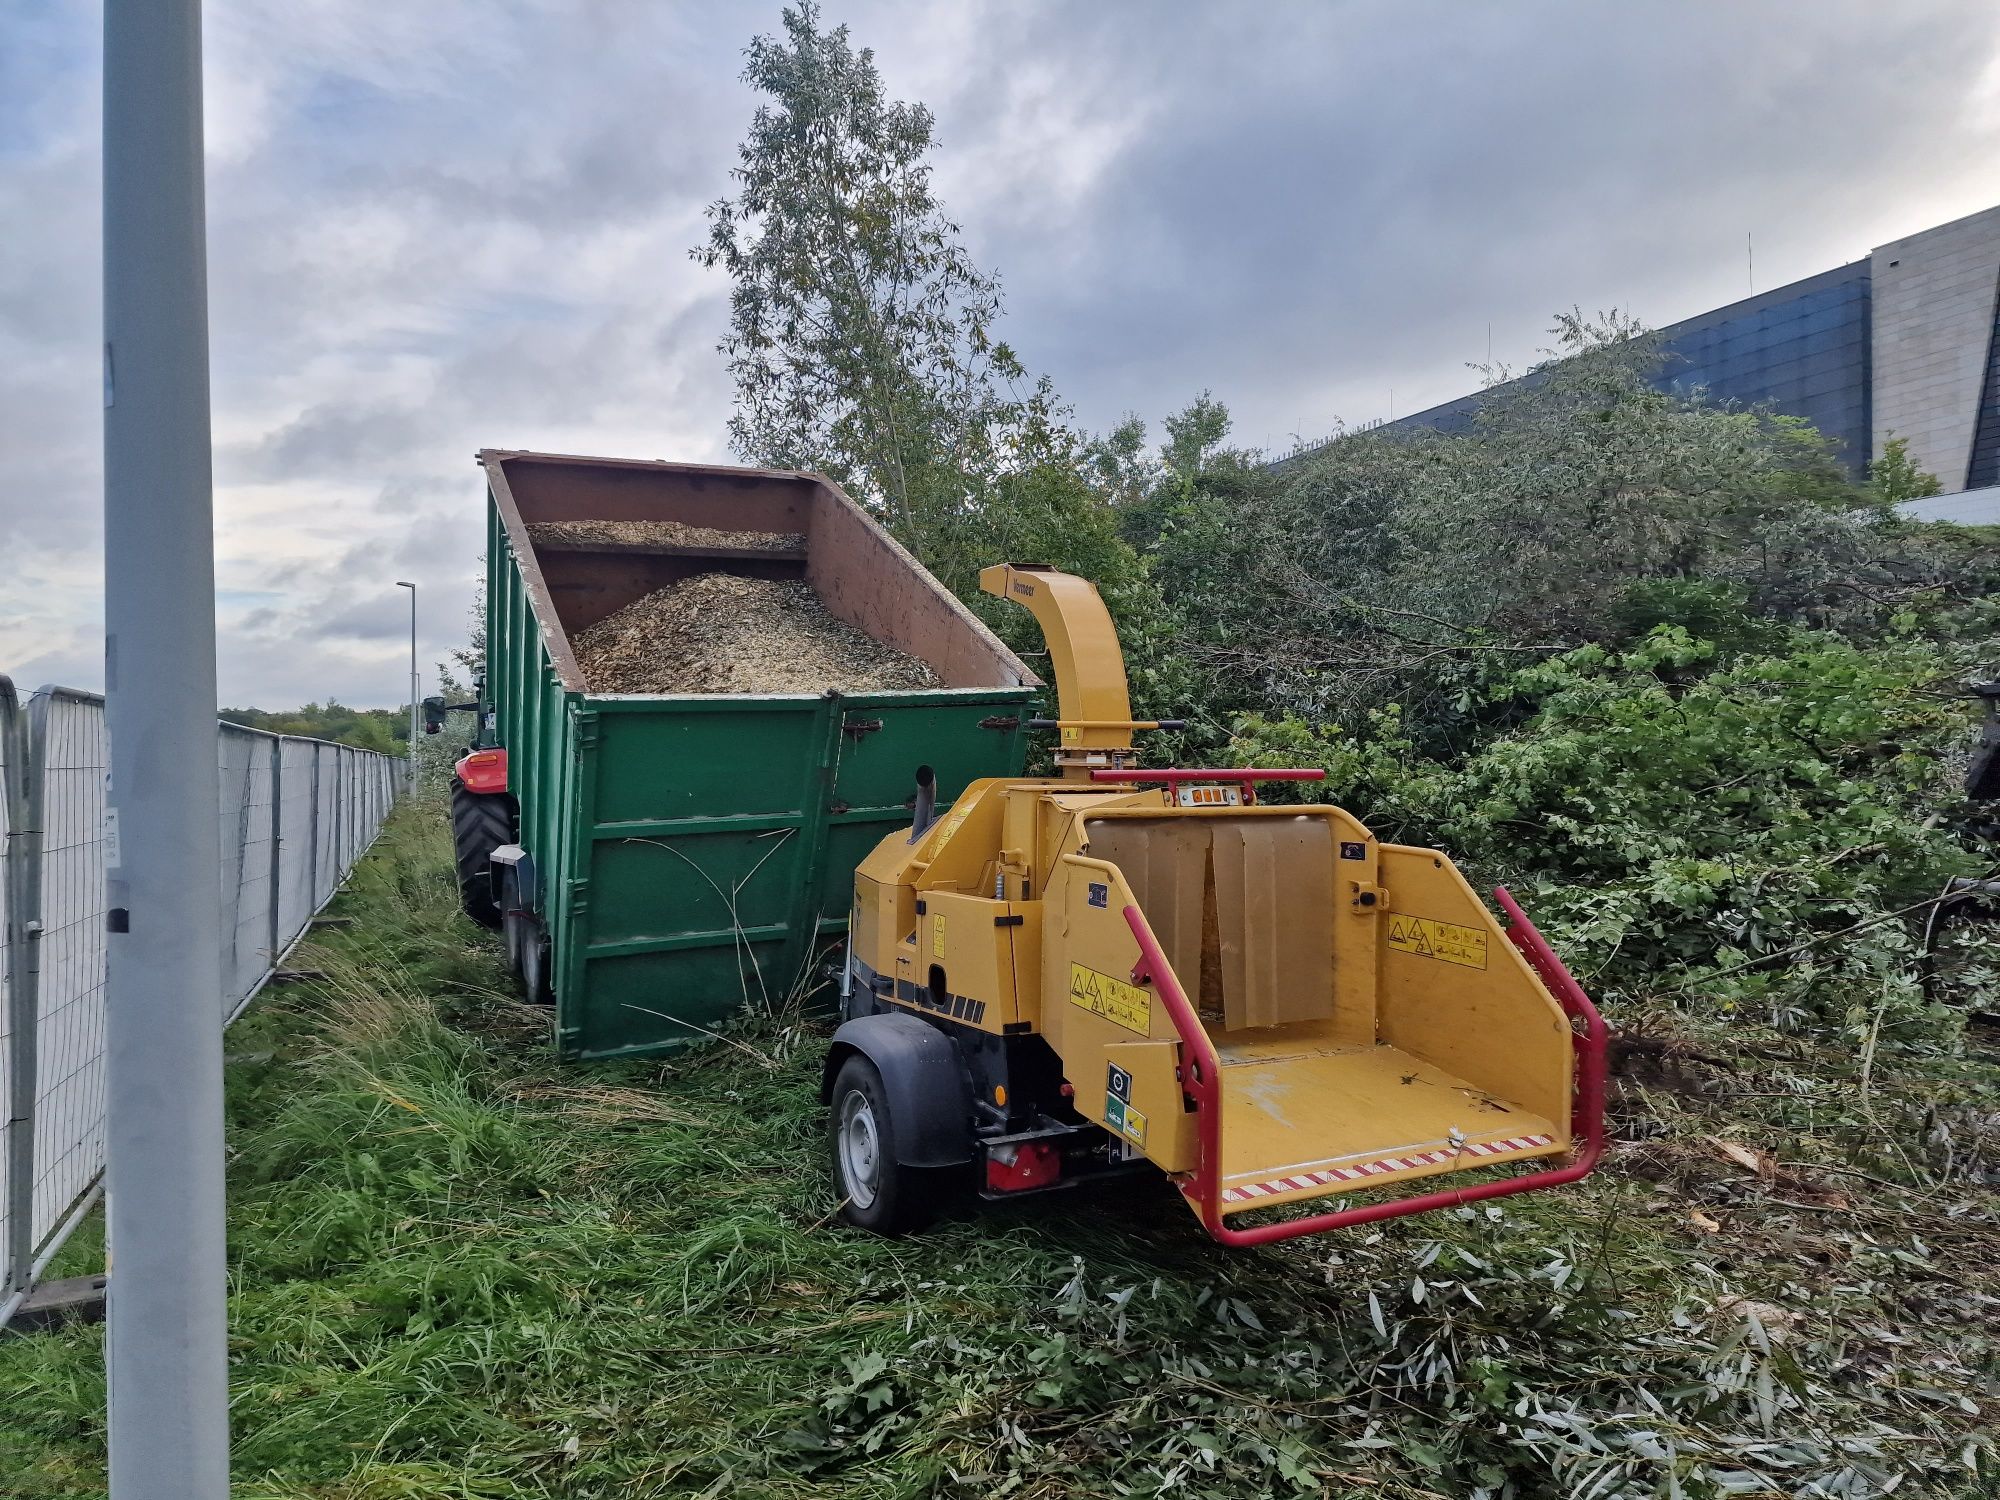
{"x":1064,"y":978}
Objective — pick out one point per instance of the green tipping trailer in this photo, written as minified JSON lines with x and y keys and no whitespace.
{"x":671,"y":859}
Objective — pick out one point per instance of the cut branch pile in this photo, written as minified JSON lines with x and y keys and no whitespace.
{"x":613,"y":535}
{"x":719,"y":633}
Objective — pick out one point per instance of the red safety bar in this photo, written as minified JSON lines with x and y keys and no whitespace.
{"x":1203,"y":1083}
{"x":1235,"y":774}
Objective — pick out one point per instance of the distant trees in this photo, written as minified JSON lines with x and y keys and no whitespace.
{"x":384,"y":729}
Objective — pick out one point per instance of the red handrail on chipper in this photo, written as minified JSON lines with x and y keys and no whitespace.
{"x":1202,"y":1081}
{"x":1239,"y":775}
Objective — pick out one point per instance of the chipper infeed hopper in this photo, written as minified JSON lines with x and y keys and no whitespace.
{"x":1067,"y":977}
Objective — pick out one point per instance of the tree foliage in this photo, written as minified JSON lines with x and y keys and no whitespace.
{"x":1584,"y":505}
{"x":384,"y":729}
{"x":1895,"y":477}
{"x":863,"y":343}
{"x":1694,"y":824}
{"x":861,"y":332}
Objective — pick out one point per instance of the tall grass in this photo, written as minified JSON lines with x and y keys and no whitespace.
{"x":460,"y":1269}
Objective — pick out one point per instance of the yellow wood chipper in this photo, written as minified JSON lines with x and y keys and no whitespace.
{"x":1060,"y":979}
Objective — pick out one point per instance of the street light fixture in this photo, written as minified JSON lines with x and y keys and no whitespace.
{"x":415,"y":693}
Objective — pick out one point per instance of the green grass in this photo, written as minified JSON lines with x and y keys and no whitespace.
{"x":460,"y":1269}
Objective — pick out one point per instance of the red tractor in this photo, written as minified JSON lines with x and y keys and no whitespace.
{"x":483,"y":813}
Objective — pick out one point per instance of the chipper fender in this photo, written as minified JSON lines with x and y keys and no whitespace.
{"x":929,"y":1097}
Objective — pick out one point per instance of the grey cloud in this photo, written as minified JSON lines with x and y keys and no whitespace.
{"x":334,"y":440}
{"x":1319,"y":199}
{"x":386,"y":619}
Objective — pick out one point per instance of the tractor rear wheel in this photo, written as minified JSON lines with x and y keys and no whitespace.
{"x":877,"y":1192}
{"x":480,"y":823}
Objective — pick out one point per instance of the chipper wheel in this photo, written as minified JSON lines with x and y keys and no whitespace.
{"x":876,"y":1191}
{"x":480,"y":823}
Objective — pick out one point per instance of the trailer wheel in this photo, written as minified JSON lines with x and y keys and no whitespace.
{"x":877,"y":1192}
{"x":480,"y":823}
{"x":534,"y":962}
{"x":515,"y":923}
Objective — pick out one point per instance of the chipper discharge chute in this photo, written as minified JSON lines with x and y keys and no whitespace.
{"x":1064,"y":978}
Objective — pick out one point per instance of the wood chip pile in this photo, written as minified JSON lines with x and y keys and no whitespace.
{"x":718,"y":633}
{"x":640,"y":534}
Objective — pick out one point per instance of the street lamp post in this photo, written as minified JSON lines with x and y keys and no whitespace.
{"x":415,"y":725}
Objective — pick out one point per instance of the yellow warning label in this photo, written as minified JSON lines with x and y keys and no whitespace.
{"x":1135,"y":1126}
{"x":1072,"y":735}
{"x":1120,"y":1003}
{"x":937,"y":936}
{"x":941,"y":833}
{"x":1441,"y":940}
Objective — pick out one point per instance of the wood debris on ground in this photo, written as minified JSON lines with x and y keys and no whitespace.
{"x":718,"y":633}
{"x":640,"y":534}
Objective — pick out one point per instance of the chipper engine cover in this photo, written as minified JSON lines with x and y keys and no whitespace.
{"x":1068,"y":977}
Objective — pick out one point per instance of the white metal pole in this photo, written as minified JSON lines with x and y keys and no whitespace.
{"x":415,"y":727}
{"x":166,"y":1350}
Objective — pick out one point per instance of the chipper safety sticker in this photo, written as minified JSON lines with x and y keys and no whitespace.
{"x":1441,"y":940}
{"x":1118,"y":1111}
{"x":1120,"y":1003}
{"x":1303,"y":1180}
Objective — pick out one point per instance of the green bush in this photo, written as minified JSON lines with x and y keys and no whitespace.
{"x":1728,"y":833}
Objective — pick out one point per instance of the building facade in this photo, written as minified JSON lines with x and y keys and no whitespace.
{"x":1903,"y":342}
{"x":1937,"y":366}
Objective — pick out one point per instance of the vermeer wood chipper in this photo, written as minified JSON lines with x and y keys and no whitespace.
{"x":1063,"y":978}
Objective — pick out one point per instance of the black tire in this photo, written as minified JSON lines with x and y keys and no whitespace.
{"x":515,"y":925}
{"x":883,"y":1195}
{"x":480,"y":823}
{"x":536,"y":985}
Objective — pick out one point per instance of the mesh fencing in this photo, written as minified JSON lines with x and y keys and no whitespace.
{"x":67,"y":762}
{"x":16,"y":1082}
{"x":295,"y":815}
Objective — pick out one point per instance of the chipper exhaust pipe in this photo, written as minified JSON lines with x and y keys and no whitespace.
{"x":926,"y":803}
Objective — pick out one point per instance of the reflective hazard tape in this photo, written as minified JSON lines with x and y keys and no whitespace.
{"x":1304,"y":1180}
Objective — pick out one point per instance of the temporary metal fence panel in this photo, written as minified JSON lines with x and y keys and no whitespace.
{"x":298,"y":828}
{"x":249,"y":942}
{"x":328,"y":866}
{"x":350,"y":812}
{"x":67,"y":760}
{"x":296,"y":815}
{"x":17,"y":1081}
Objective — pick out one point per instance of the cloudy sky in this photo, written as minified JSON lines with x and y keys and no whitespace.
{"x":449,"y":225}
